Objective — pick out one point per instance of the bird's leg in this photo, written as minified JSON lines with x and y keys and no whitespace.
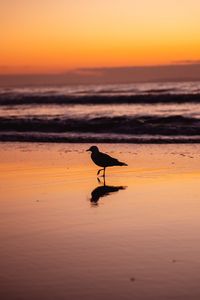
{"x":99,"y":171}
{"x":104,"y":181}
{"x":104,"y":172}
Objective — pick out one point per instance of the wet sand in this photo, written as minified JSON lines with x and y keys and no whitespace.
{"x":137,"y":239}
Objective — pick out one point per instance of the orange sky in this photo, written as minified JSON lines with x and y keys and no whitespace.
{"x":49,"y":35}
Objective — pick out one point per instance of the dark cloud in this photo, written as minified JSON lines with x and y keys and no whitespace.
{"x":164,"y":73}
{"x":187,"y":61}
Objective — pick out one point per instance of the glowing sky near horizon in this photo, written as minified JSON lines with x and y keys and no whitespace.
{"x":49,"y":35}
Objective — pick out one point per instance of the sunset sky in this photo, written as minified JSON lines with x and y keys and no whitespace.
{"x":53,"y":36}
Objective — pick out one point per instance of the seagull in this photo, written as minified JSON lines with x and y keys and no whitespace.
{"x":103,"y":160}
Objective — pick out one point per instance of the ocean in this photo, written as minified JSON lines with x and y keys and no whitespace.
{"x":123,"y":113}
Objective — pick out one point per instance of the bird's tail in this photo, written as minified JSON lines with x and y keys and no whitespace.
{"x":122,"y":164}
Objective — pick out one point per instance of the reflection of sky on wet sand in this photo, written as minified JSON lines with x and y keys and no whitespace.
{"x":140,"y":242}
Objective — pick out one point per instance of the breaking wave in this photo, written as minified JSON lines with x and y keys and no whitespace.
{"x":133,"y":113}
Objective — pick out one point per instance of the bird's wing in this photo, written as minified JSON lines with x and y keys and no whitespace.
{"x":108,"y":160}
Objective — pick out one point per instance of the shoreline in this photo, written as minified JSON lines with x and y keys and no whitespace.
{"x":21,"y":138}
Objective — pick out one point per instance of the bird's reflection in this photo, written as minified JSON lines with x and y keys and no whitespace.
{"x":103,"y":191}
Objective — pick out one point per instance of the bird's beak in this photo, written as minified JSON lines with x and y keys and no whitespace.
{"x":88,"y":149}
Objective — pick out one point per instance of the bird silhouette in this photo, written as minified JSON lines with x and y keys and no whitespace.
{"x":103,"y":191}
{"x":103,"y":160}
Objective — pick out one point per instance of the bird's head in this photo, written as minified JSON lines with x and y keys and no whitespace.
{"x":93,"y":149}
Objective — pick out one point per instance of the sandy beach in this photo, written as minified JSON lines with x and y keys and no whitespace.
{"x":137,"y":239}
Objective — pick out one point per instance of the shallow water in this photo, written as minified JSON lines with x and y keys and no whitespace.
{"x":140,"y":242}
